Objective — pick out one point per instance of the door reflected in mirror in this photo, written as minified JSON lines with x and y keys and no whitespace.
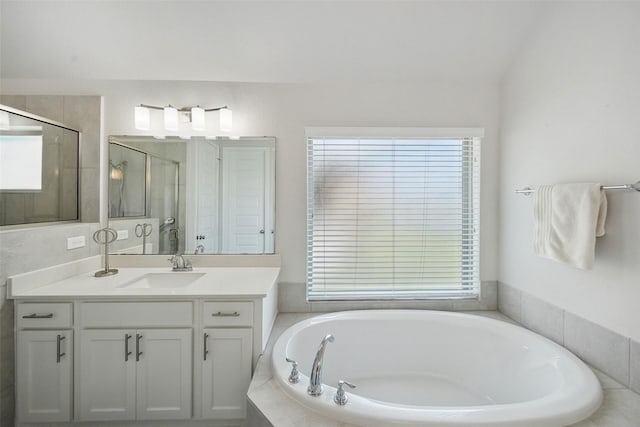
{"x":198,"y":195}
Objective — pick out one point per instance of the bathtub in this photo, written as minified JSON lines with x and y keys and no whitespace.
{"x":432,"y":368}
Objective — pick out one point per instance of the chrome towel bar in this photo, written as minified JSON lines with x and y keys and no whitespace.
{"x":636,"y":186}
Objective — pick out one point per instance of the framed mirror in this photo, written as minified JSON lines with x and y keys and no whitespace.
{"x":197,"y":195}
{"x":39,"y":169}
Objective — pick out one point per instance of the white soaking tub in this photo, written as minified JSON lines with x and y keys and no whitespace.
{"x":433,"y":368}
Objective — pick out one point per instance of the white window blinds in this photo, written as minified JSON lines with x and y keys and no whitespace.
{"x":392,"y":218}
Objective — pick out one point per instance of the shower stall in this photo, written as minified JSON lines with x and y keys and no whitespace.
{"x":144,"y":197}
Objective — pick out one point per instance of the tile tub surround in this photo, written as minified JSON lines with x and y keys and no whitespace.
{"x":292,"y":298}
{"x":269,"y":406}
{"x":616,"y":355}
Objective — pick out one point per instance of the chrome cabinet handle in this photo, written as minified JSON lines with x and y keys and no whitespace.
{"x":58,"y":345}
{"x":206,"y":337}
{"x":38,"y":316}
{"x":127,"y":353}
{"x":138,"y":352}
{"x":221,"y":314}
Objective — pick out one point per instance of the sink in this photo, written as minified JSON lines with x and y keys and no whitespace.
{"x":163,"y":280}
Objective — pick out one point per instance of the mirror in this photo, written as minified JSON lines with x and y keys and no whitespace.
{"x":38,"y":169}
{"x":197,"y":195}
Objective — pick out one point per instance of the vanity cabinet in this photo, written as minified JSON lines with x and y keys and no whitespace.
{"x":44,"y":362}
{"x":45,"y":370}
{"x":135,"y":360}
{"x":131,"y":374}
{"x":226,"y":358}
{"x":146,"y":357}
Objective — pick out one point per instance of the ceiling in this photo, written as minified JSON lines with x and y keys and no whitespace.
{"x":261,"y":41}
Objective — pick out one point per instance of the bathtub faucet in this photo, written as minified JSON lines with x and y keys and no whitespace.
{"x":315,"y":379}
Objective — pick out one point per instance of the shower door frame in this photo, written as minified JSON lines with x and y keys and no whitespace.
{"x":176,"y":201}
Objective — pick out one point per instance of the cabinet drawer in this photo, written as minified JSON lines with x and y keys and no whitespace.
{"x":136,"y":314}
{"x":44,"y":315}
{"x":227,"y":313}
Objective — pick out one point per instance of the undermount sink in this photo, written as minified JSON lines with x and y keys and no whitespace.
{"x":163,"y":280}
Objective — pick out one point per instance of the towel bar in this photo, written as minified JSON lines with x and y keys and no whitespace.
{"x":636,"y":186}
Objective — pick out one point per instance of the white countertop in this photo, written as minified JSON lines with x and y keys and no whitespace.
{"x":224,"y":282}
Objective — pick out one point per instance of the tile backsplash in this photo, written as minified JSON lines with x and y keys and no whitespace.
{"x":292,"y":298}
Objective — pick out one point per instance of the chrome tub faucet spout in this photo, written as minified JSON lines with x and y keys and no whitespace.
{"x":315,"y":379}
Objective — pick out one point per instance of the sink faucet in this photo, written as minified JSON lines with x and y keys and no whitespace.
{"x":180,"y":264}
{"x":315,"y":379}
{"x":199,"y":250}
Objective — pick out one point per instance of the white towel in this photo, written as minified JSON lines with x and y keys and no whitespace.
{"x":568,"y":218}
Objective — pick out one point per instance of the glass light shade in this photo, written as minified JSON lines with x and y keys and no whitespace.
{"x":197,"y":118}
{"x":170,"y":118}
{"x":116,"y":173}
{"x":142,"y":118}
{"x":226,"y":120}
{"x":5,"y":124}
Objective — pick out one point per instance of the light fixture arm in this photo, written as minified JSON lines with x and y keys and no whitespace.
{"x":183,"y":109}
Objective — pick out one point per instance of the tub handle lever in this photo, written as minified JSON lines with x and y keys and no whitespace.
{"x":294,"y":377}
{"x":341,"y":397}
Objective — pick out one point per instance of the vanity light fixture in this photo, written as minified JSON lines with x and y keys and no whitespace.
{"x":196,"y":115}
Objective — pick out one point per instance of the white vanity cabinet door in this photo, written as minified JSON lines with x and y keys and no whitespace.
{"x":44,"y":375}
{"x":129,"y":374}
{"x":164,"y":374}
{"x":107,"y":375}
{"x":226,"y":372}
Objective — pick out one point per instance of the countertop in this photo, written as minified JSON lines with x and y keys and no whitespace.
{"x":78,"y":281}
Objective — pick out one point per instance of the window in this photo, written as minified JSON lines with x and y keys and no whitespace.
{"x":20,"y":162}
{"x":392,"y":213}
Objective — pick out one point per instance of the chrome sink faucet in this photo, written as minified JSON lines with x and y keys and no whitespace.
{"x":315,"y":379}
{"x":180,"y":264}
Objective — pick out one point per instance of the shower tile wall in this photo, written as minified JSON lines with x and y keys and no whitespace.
{"x":44,"y":246}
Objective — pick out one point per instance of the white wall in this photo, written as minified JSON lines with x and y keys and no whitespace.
{"x":571,"y":112}
{"x":284,"y":110}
